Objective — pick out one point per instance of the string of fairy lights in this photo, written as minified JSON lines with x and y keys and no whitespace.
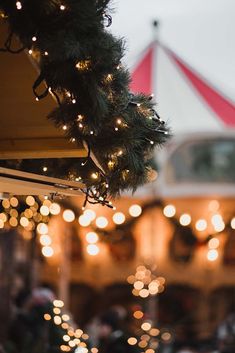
{"x":112,"y":122}
{"x":74,"y":339}
{"x":215,"y":226}
{"x":33,"y":214}
{"x":146,"y":283}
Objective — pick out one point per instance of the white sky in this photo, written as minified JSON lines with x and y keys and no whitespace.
{"x":202,"y":32}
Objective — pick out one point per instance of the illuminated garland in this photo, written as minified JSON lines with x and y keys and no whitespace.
{"x":80,"y":64}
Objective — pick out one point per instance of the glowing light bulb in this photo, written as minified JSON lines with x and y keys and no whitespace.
{"x":54,"y":209}
{"x":146,"y":326}
{"x":119,"y":218}
{"x":84,"y":220}
{"x":169,"y":211}
{"x":144,"y":293}
{"x":233,"y":223}
{"x":90,"y":214}
{"x":68,"y":216}
{"x":18,"y":5}
{"x":213,"y":243}
{"x":93,"y":249}
{"x":44,"y":169}
{"x":218,"y":222}
{"x":30,"y":51}
{"x":101,"y":222}
{"x":47,"y":251}
{"x":47,"y":317}
{"x":138,"y":314}
{"x":34,"y":39}
{"x":58,"y":303}
{"x":92,"y":237}
{"x":45,"y":240}
{"x":94,"y":175}
{"x":24,"y":222}
{"x":135,"y":210}
{"x":212,"y":255}
{"x":185,"y":219}
{"x":42,"y":228}
{"x":64,"y":127}
{"x":14,"y":201}
{"x":62,"y":7}
{"x":132,"y":341}
{"x":30,"y":200}
{"x":201,"y":225}
{"x":44,"y":210}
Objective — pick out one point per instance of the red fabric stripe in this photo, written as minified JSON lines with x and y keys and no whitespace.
{"x":143,"y":74}
{"x":219,"y":104}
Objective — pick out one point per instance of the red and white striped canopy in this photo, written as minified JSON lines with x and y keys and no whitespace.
{"x":186,"y":99}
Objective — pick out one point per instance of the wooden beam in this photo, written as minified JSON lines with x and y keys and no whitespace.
{"x":40,"y":148}
{"x":22,"y":183}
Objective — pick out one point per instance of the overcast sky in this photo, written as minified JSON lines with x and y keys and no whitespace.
{"x":202,"y":32}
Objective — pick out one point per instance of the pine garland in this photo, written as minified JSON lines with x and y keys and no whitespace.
{"x":80,"y":63}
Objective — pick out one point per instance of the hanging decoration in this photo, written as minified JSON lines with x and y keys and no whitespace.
{"x":80,"y":66}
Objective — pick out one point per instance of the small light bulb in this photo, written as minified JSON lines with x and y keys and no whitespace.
{"x":44,"y":169}
{"x":64,"y":127}
{"x":30,"y":51}
{"x":62,"y":7}
{"x":119,"y":121}
{"x":18,"y":5}
{"x":138,"y":104}
{"x":116,"y":129}
{"x":91,"y":132}
{"x":151,"y":142}
{"x":74,"y":101}
{"x":80,"y":125}
{"x":37,"y":99}
{"x":46,"y":53}
{"x":34,"y":39}
{"x":73,"y":139}
{"x":94,"y":176}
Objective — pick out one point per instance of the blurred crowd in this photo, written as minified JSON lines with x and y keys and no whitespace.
{"x":30,"y":331}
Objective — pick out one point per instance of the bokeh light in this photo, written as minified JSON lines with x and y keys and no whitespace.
{"x":68,"y":216}
{"x":212,"y":255}
{"x":213,"y":243}
{"x":185,"y":219}
{"x":92,"y":237}
{"x":201,"y":225}
{"x":93,"y":249}
{"x":119,"y":218}
{"x":42,"y":228}
{"x":135,"y":210}
{"x":84,"y":221}
{"x":101,"y":222}
{"x":47,"y":251}
{"x":169,"y":211}
{"x":45,"y":240}
{"x":54,"y":209}
{"x":90,"y":214}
